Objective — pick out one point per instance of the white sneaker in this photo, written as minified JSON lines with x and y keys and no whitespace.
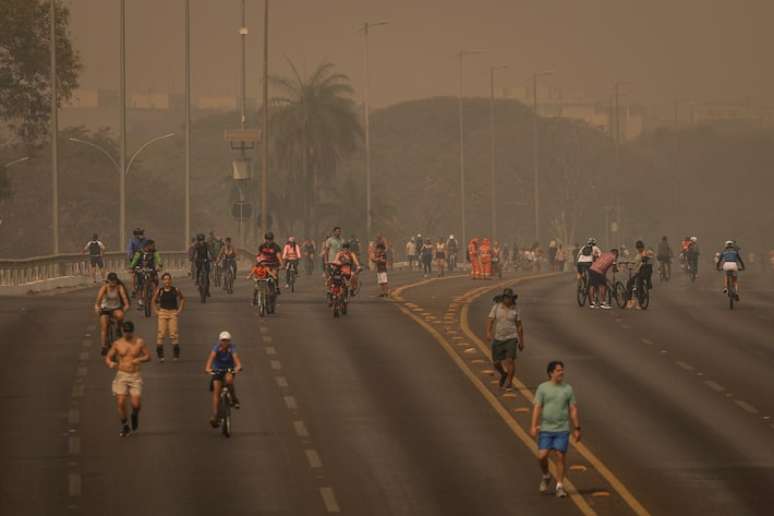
{"x":725,"y":291}
{"x":592,"y":306}
{"x":560,"y":492}
{"x":545,"y":483}
{"x":605,"y":306}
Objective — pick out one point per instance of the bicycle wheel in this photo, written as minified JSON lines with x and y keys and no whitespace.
{"x":643,"y":297}
{"x":147,"y":297}
{"x":111,"y":336}
{"x":225,"y":415}
{"x":261,"y":303}
{"x":581,"y":294}
{"x":619,"y":294}
{"x":292,"y":279}
{"x":730,"y":299}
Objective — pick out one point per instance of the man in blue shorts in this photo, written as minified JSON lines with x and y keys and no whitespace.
{"x":554,"y":409}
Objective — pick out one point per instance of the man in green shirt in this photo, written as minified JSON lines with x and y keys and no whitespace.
{"x":332,"y":247}
{"x":554,"y":408}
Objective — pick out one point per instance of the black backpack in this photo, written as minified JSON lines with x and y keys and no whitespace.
{"x":94,"y":248}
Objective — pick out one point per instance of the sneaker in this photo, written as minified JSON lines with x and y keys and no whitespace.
{"x":213,"y":422}
{"x":176,"y":351}
{"x":236,"y":404}
{"x":560,"y":492}
{"x":605,"y":306}
{"x":125,"y":431}
{"x":545,"y":483}
{"x":725,"y":291}
{"x":503,"y":379}
{"x":593,"y":306}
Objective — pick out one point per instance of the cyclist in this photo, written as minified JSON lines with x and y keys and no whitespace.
{"x":586,"y":256}
{"x":664,"y":256}
{"x":641,"y":271}
{"x":112,"y":302}
{"x":135,"y":245}
{"x":148,"y":258}
{"x":598,"y":278}
{"x":291,"y":254}
{"x":453,"y":247}
{"x":202,"y":259}
{"x":215,"y":244}
{"x":222,"y":361}
{"x":692,"y":255}
{"x":730,"y":261}
{"x":684,"y":245}
{"x":272,"y":255}
{"x":227,"y":258}
{"x":350,"y":266}
{"x":354,"y":245}
{"x":310,"y":251}
{"x":440,"y":256}
{"x":96,"y":250}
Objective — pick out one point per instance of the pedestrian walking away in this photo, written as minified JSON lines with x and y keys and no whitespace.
{"x":96,"y":250}
{"x":380,"y":261}
{"x":126,"y":355}
{"x":168,"y":301}
{"x":505,"y":331}
{"x":554,"y":409}
{"x":411,"y":253}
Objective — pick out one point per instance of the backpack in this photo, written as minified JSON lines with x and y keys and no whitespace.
{"x":587,"y":250}
{"x":94,"y":248}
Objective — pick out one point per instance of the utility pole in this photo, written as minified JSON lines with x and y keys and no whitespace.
{"x":122,"y":157}
{"x":54,"y":133}
{"x":187,"y":229}
{"x":536,"y":151}
{"x":243,"y":120}
{"x":265,"y":157}
{"x":492,"y":148}
{"x":461,"y":55}
{"x":618,"y":172}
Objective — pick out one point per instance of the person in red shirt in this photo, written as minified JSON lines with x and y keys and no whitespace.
{"x":598,"y":278}
{"x":473,"y":258}
{"x":260,"y":270}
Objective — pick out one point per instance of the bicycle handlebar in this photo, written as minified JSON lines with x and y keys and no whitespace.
{"x":229,"y":370}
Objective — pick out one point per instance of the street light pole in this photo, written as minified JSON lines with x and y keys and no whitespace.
{"x":492,"y":71}
{"x":616,"y":108}
{"x":265,"y":157}
{"x":536,"y":152}
{"x":366,"y":123}
{"x":461,"y":55}
{"x":122,"y":156}
{"x":187,"y":193}
{"x":54,"y":133}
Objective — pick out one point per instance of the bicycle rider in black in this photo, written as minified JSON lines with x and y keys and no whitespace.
{"x":202,"y":258}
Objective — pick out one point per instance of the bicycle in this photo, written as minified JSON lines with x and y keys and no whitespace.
{"x":452,"y":261}
{"x":225,"y":401}
{"x":338,"y":294}
{"x":732,"y":290}
{"x":264,"y":297}
{"x":145,"y":288}
{"x":640,"y":289}
{"x":582,"y":290}
{"x":203,"y":283}
{"x":664,"y":274}
{"x":292,"y":273}
{"x":228,"y":277}
{"x":114,"y":331}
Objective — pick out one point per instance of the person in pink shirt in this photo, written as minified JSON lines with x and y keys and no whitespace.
{"x":291,"y":254}
{"x":598,"y":278}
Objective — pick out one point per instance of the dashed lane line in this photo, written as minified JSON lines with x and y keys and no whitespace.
{"x":74,"y":484}
{"x":300,"y":428}
{"x":746,"y":406}
{"x":313,"y":458}
{"x":714,"y":386}
{"x":290,"y":402}
{"x":685,"y":365}
{"x":329,"y":499}
{"x":281,"y":381}
{"x":276,"y":365}
{"x":271,"y":350}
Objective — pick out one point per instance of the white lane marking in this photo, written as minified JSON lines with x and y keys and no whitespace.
{"x":329,"y":499}
{"x":647,"y":341}
{"x":74,"y":445}
{"x":746,"y":406}
{"x":290,"y":402}
{"x":74,"y":484}
{"x":84,"y":355}
{"x":267,"y":339}
{"x":73,"y":417}
{"x":685,"y":365}
{"x":664,"y":352}
{"x":300,"y":429}
{"x":314,"y":459}
{"x":281,"y":381}
{"x":714,"y":386}
{"x":271,"y":351}
{"x":263,"y":329}
{"x":81,"y":371}
{"x":276,"y":365}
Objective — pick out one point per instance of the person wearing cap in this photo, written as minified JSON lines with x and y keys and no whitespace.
{"x":505,"y":331}
{"x":126,"y":355}
{"x":222,"y":363}
{"x":112,"y":301}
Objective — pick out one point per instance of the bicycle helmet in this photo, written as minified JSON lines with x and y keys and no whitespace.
{"x":224,"y":335}
{"x":269,"y":236}
{"x":451,"y":237}
{"x":639,"y":244}
{"x":729,"y":243}
{"x":138,"y":231}
{"x":200,"y":237}
{"x":694,"y":239}
{"x":292,"y":239}
{"x":591,"y":241}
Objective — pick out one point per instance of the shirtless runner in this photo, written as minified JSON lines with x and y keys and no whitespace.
{"x":130,"y":351}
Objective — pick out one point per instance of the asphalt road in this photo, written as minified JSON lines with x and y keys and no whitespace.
{"x":385,"y":411}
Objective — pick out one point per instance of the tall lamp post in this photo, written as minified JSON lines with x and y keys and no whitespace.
{"x":265,"y":157}
{"x":187,"y":192}
{"x":366,"y":123}
{"x":492,"y":71}
{"x":54,"y":131}
{"x":461,"y":56}
{"x":617,"y":139}
{"x":536,"y":149}
{"x":122,"y":172}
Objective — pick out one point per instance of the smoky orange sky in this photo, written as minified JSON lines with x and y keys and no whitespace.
{"x":668,"y":49}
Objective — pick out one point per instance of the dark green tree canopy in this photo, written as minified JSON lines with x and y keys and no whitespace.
{"x":25,"y":89}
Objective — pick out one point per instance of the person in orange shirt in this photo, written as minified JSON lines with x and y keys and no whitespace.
{"x":475,"y":263}
{"x":260,"y":270}
{"x":485,"y":257}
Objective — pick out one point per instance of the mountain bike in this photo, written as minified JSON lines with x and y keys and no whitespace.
{"x":338,"y":293}
{"x":452,"y":260}
{"x":640,"y":290}
{"x":732,"y":290}
{"x":203,"y":282}
{"x":145,"y":287}
{"x":228,"y":276}
{"x":663,"y":271}
{"x":582,"y":290}
{"x":264,"y":296}
{"x":225,"y":401}
{"x":217,"y":274}
{"x":292,"y":274}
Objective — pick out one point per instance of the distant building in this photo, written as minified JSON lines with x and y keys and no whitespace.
{"x":216,"y":103}
{"x":151,"y":101}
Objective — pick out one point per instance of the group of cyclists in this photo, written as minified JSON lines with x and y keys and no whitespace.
{"x":592,"y":265}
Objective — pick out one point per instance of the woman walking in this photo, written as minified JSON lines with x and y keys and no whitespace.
{"x":169,"y":302}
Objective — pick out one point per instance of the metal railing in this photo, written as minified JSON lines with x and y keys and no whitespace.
{"x":14,"y":273}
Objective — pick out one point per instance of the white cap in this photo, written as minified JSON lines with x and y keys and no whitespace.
{"x":224,"y":335}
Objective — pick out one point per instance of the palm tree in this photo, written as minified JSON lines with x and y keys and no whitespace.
{"x":315,"y":125}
